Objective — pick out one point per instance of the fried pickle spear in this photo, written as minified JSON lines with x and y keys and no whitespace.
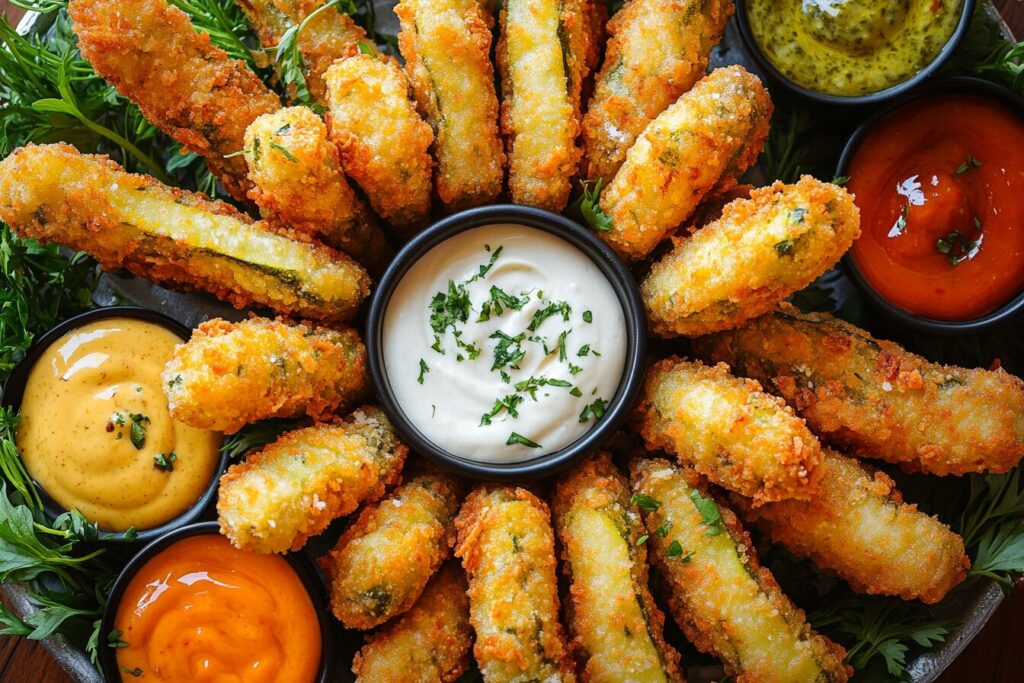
{"x":616,"y":627}
{"x":724,"y":601}
{"x":230,"y":374}
{"x":657,"y":50}
{"x":382,"y":562}
{"x":172,"y":237}
{"x":507,"y":549}
{"x":191,"y":90}
{"x":447,"y":46}
{"x":700,"y":144}
{"x":542,"y":59}
{"x":384,"y":144}
{"x":296,"y":486}
{"x":874,"y":399}
{"x":427,"y":644}
{"x":760,"y":251}
{"x":729,"y":431}
{"x":860,"y":528}
{"x":298,"y":181}
{"x":330,"y":35}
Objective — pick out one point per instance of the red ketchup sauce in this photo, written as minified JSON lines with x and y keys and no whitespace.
{"x":940,"y":187}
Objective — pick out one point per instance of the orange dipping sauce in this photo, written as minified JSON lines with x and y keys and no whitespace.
{"x":204,"y":611}
{"x":940,"y":187}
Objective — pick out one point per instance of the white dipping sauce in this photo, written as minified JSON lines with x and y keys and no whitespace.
{"x":464,"y":397}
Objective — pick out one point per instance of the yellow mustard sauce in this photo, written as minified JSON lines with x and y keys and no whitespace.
{"x":852,"y":47}
{"x":96,"y":432}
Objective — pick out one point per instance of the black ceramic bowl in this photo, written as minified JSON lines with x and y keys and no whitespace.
{"x":300,"y":563}
{"x":14,"y":389}
{"x":607,"y":262}
{"x":961,"y":85}
{"x":762,"y":60}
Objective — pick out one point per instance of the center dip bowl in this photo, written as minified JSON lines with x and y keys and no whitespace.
{"x":507,"y":357}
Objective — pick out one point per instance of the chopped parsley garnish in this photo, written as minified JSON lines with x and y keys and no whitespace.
{"x":508,"y":351}
{"x":584,"y":350}
{"x":288,"y":155}
{"x":642,"y":539}
{"x":137,"y":432}
{"x":560,"y":346}
{"x":841,"y":180}
{"x":596,"y":409}
{"x":532,"y":384}
{"x":486,"y":267}
{"x":958,"y":247}
{"x":515,"y":438}
{"x":967,"y":165}
{"x":588,"y":316}
{"x":589,"y":208}
{"x":574,"y":369}
{"x":137,"y":671}
{"x":424,"y":368}
{"x":509,"y":404}
{"x":447,"y":311}
{"x":663,"y":529}
{"x":165,"y":463}
{"x":114,"y":639}
{"x":471,"y":349}
{"x":644,"y":502}
{"x":554,"y":308}
{"x":575,"y":391}
{"x":674,"y":551}
{"x":365,"y":49}
{"x":709,"y":513}
{"x":499,"y":301}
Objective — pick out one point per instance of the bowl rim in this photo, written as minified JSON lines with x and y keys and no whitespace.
{"x":764,"y":63}
{"x":953,"y":85}
{"x":300,"y":564}
{"x":614,"y":270}
{"x":14,"y":390}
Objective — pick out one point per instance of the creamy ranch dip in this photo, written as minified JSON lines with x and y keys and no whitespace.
{"x":504,"y":343}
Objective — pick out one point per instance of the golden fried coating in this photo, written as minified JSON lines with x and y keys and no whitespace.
{"x":874,"y":399}
{"x":701,"y":144}
{"x":508,"y":551}
{"x":297,"y":180}
{"x":328,"y":36}
{"x":542,"y":57}
{"x":860,"y":528}
{"x":185,"y":86}
{"x":172,"y":237}
{"x":725,"y":602}
{"x":729,"y":430}
{"x":657,"y":50}
{"x":230,"y":374}
{"x":384,"y":144}
{"x":296,"y":486}
{"x":382,"y":562}
{"x":427,"y":644}
{"x":760,"y":251}
{"x":447,"y":48}
{"x":616,"y":627}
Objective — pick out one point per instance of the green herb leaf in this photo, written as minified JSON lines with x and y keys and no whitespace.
{"x":552,"y":309}
{"x":588,"y":207}
{"x":165,"y":463}
{"x":137,"y":432}
{"x":967,"y":165}
{"x":711,"y":517}
{"x":509,"y":404}
{"x":644,"y":502}
{"x":588,"y":316}
{"x":674,"y":550}
{"x":841,"y":180}
{"x":597,"y":409}
{"x":255,"y":435}
{"x":508,"y":351}
{"x":424,"y":368}
{"x":288,"y":155}
{"x":514,"y":439}
{"x":641,"y":540}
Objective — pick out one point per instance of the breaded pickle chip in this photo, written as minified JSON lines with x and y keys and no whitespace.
{"x":172,"y":237}
{"x":384,"y":144}
{"x":185,"y":86}
{"x":230,"y":374}
{"x":657,"y":50}
{"x":298,"y":181}
{"x":725,"y":602}
{"x":874,"y":399}
{"x":701,"y":144}
{"x":382,"y":562}
{"x":542,"y":57}
{"x":296,"y":486}
{"x":759,"y":252}
{"x":615,"y":625}
{"x":447,"y":47}
{"x":427,"y":644}
{"x":508,"y":551}
{"x":729,"y":430}
{"x":859,"y":527}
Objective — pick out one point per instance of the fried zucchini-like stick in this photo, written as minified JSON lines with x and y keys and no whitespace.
{"x":874,"y":399}
{"x":508,"y":551}
{"x":230,"y":374}
{"x":189,"y":89}
{"x":860,"y":528}
{"x":296,"y":486}
{"x":330,"y":35}
{"x":701,"y":143}
{"x":382,"y":562}
{"x":172,"y":237}
{"x":729,"y":430}
{"x":615,"y":625}
{"x":657,"y":50}
{"x":542,"y":59}
{"x":447,"y":48}
{"x":724,"y":601}
{"x":297,"y":180}
{"x":384,"y":144}
{"x":760,"y":251}
{"x":427,"y":644}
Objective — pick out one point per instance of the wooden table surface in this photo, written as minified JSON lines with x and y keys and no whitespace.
{"x":995,"y":656}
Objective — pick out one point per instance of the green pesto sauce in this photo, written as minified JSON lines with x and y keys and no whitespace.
{"x":852,"y":47}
